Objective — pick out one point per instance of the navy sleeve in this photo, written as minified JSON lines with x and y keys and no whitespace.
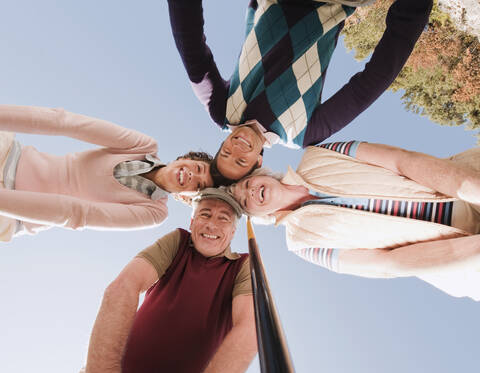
{"x":186,"y":19}
{"x":405,"y":21}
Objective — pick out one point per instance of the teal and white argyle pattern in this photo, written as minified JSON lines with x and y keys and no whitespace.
{"x":278,"y":79}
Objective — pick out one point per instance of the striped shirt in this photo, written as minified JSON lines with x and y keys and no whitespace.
{"x":345,"y":147}
{"x":10,"y":167}
{"x":436,"y":212}
{"x":10,"y":173}
{"x":129,"y":173}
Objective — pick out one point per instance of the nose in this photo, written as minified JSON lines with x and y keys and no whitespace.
{"x":209,"y":225}
{"x":236,"y":148}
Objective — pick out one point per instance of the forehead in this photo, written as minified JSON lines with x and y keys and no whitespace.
{"x":216,"y":205}
{"x":188,"y":160}
{"x":255,"y":179}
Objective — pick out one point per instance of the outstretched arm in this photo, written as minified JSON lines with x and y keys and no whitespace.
{"x":186,"y":18}
{"x":455,"y":254}
{"x":71,"y":212}
{"x":405,"y":22}
{"x":116,"y":316}
{"x":443,"y":175}
{"x":58,"y":122}
{"x":240,"y":345}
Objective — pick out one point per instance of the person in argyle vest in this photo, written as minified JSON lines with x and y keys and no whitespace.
{"x":197,"y":315}
{"x":375,"y":210}
{"x":274,"y":93}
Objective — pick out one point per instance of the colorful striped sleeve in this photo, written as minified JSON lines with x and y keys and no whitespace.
{"x":327,"y":258}
{"x":347,"y":148}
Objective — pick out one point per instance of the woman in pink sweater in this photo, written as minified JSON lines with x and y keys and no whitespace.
{"x":120,"y":185}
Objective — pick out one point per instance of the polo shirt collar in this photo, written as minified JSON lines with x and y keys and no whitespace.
{"x":270,"y":137}
{"x":227,"y":253}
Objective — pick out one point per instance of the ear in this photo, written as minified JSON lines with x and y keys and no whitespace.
{"x":259,"y":160}
{"x":191,"y":222}
{"x":232,"y":233}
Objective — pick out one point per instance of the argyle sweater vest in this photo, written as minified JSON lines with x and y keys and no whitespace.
{"x":185,"y":315}
{"x":279,"y":76}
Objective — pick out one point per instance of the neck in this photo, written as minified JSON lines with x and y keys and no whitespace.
{"x":259,"y":133}
{"x":157,"y":176}
{"x":294,"y":196}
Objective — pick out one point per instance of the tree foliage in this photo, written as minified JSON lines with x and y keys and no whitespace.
{"x":441,"y":79}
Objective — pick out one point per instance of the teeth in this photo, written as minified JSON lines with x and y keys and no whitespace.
{"x":182,"y":174}
{"x":244,"y":141}
{"x":210,"y":236}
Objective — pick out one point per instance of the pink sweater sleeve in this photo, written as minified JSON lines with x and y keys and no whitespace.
{"x":58,"y":122}
{"x":75,"y":213}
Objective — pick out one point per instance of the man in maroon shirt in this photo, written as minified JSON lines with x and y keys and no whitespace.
{"x":197,"y":315}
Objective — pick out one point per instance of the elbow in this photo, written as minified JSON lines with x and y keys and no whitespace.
{"x":120,"y":287}
{"x":250,"y":344}
{"x":248,"y":333}
{"x":402,"y":160}
{"x":113,"y":290}
{"x":396,"y":266}
{"x":469,"y":189}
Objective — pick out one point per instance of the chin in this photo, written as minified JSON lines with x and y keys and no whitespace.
{"x":208,"y":251}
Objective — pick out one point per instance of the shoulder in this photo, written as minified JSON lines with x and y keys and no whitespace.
{"x":171,"y":239}
{"x":243,"y":282}
{"x":161,"y":253}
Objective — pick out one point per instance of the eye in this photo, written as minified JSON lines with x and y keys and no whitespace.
{"x":198,"y":168}
{"x":199,"y":186}
{"x":246,"y":183}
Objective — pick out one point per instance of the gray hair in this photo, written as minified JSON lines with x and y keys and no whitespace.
{"x":263,"y":171}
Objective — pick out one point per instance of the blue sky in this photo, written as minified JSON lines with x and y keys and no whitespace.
{"x":116,"y":60}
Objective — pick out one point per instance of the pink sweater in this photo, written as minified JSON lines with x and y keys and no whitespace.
{"x":77,"y":190}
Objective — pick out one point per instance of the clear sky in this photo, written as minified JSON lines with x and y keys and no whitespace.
{"x":116,"y":60}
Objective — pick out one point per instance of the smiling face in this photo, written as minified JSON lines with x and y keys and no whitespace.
{"x":212,"y":226}
{"x":259,"y":195}
{"x":183,"y":175}
{"x":240,"y":152}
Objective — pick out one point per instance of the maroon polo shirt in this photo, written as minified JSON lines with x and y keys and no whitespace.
{"x":185,"y":315}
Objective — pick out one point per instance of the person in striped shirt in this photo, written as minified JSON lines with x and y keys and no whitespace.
{"x":375,"y":210}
